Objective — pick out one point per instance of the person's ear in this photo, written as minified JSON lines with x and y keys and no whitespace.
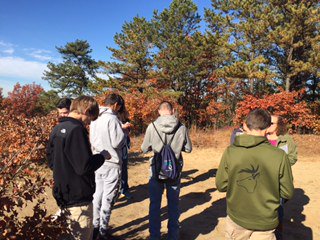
{"x":245,"y":127}
{"x":264,"y":132}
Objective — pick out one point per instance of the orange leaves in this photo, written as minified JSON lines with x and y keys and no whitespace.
{"x":288,"y":105}
{"x":23,"y":99}
{"x":22,"y":142}
{"x":142,"y":107}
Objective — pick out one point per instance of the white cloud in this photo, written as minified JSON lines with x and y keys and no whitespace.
{"x":39,"y":54}
{"x":6,"y":48}
{"x":16,"y":67}
{"x":9,"y":51}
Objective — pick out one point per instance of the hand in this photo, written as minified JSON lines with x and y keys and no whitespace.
{"x":126,"y":125}
{"x":105,"y":154}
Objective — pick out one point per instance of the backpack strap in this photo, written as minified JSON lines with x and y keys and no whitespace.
{"x":178,"y":126}
{"x":158,"y":133}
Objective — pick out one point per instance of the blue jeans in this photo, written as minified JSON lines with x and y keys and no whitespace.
{"x":156,"y":190}
{"x":124,"y":172}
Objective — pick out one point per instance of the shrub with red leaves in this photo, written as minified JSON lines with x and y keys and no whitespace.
{"x":288,"y":105}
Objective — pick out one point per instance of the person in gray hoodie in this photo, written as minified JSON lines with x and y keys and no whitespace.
{"x":106,"y":134}
{"x":169,"y":128}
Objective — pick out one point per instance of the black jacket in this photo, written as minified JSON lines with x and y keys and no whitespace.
{"x":69,"y":156}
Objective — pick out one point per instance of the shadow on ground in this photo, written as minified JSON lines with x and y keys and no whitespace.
{"x":187,"y":202}
{"x":293,"y":227}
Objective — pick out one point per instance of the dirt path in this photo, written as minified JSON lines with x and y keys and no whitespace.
{"x":203,"y":208}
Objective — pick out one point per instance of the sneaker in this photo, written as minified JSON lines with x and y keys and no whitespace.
{"x":95,"y":233}
{"x":127,"y":195}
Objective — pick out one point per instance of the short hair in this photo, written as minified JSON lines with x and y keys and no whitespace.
{"x":165,"y":105}
{"x":281,"y":126}
{"x":114,"y":98}
{"x":64,"y":103}
{"x":83,"y":103}
{"x":258,"y":119}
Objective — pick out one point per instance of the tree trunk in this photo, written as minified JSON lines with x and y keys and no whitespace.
{"x":289,"y":59}
{"x":251,"y":81}
{"x":287,"y":84}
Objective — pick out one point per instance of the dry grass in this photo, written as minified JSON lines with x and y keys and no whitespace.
{"x":199,"y":138}
{"x":308,"y":145}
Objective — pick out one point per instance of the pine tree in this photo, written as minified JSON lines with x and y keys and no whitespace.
{"x":175,"y":28}
{"x":76,"y":73}
{"x":133,"y":63}
{"x":271,"y":42}
{"x":293,"y":33}
{"x":241,"y":30}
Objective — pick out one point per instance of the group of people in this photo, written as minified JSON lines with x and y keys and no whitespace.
{"x":255,"y":171}
{"x":88,"y":168}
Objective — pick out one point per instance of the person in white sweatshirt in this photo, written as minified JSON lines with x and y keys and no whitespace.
{"x":106,"y":134}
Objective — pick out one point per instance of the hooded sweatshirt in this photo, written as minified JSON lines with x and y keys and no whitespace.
{"x":106,"y":134}
{"x":286,"y":143}
{"x":167,"y":126}
{"x":255,"y":175}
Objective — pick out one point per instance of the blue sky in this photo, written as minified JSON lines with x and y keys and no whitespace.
{"x":30,"y":31}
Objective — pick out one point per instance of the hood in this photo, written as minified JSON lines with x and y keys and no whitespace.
{"x":166,"y":124}
{"x":284,"y":138}
{"x":249,"y":141}
{"x":103,"y":110}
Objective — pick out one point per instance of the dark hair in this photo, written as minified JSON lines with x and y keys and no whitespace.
{"x":281,"y":126}
{"x":83,"y":104}
{"x":64,"y":103}
{"x":258,"y":119}
{"x":122,"y":105}
{"x":112,"y":99}
{"x":166,"y":105}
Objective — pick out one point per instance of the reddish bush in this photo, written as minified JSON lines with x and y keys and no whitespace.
{"x":23,"y":100}
{"x":143,"y":107}
{"x":22,"y":177}
{"x":1,"y":98}
{"x":288,"y":105}
{"x":216,"y":113}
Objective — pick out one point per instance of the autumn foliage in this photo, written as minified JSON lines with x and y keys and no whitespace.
{"x":143,"y":107}
{"x":23,"y":175}
{"x":24,"y":131}
{"x":23,"y":100}
{"x":288,"y":105}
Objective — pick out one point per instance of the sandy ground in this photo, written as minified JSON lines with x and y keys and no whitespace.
{"x":203,"y":208}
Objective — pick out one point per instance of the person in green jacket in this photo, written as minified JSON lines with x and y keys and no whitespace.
{"x":255,"y":176}
{"x":278,"y":136}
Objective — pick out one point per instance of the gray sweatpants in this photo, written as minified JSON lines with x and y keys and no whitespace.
{"x":107,"y":192}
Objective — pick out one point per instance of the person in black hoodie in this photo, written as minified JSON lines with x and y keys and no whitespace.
{"x":73,"y":164}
